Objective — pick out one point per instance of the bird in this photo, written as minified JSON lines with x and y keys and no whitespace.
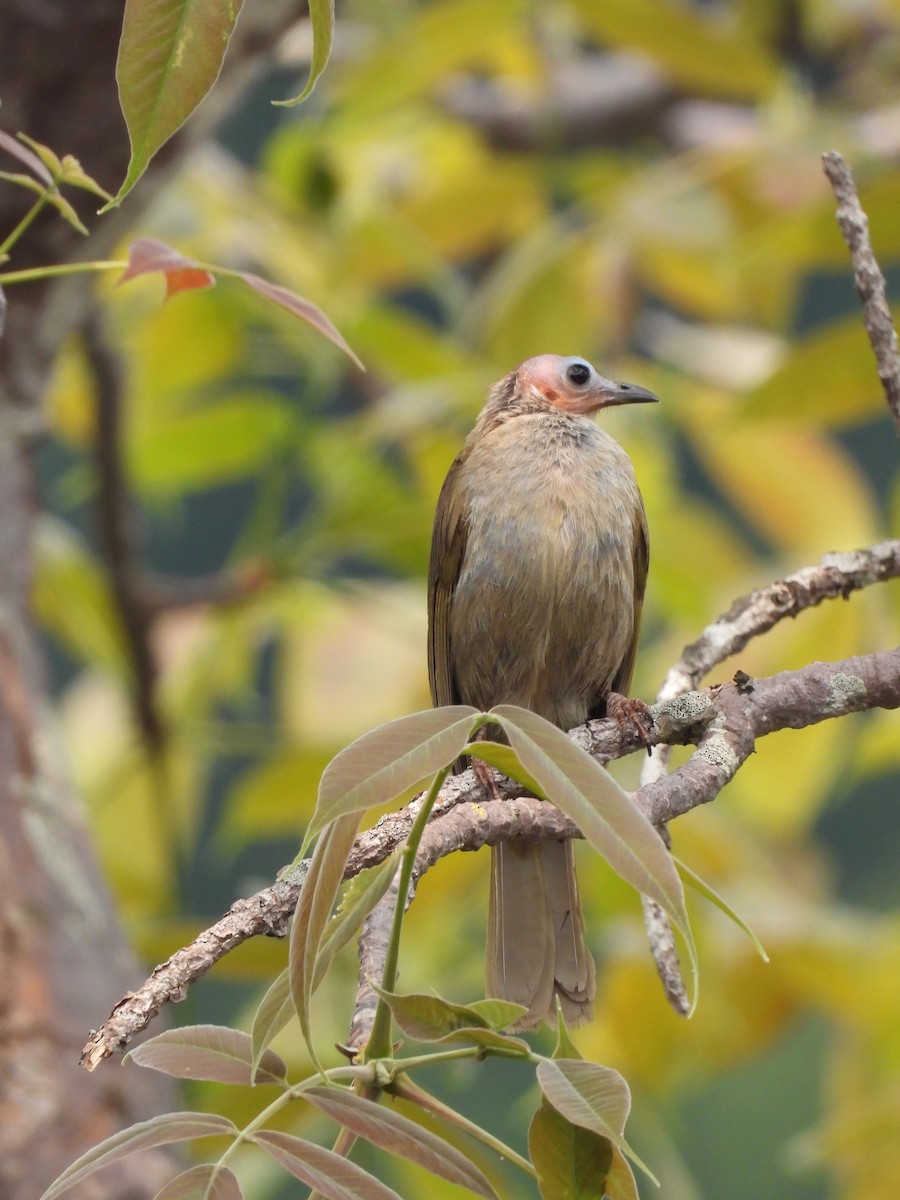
{"x":538,"y":566}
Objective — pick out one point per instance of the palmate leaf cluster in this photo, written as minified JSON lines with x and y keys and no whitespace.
{"x":576,"y":1138}
{"x":706,"y":268}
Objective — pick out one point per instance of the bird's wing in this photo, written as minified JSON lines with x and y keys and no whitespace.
{"x":622,"y":680}
{"x":447,"y":549}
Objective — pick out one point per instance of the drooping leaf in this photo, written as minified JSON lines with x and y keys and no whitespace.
{"x":565,"y":1047}
{"x":158,"y":1131}
{"x":305,"y":309}
{"x":207,"y":1181}
{"x":274,"y":1011}
{"x":326,"y":1172}
{"x":591,"y":1096}
{"x":572,"y":1162}
{"x":382,"y":764}
{"x":147,"y":256}
{"x":431,"y":1019}
{"x":313,"y":913}
{"x":700,"y":885}
{"x":170,"y":55}
{"x":391,"y":1131}
{"x":212,"y":1052}
{"x":602,"y":809}
{"x":321,"y":18}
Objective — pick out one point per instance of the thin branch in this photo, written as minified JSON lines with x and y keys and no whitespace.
{"x":868,"y":278}
{"x":725,"y":723}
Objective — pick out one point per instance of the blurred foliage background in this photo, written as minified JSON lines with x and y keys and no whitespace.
{"x":474,"y":182}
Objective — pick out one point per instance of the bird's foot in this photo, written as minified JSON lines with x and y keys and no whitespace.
{"x":485,"y":776}
{"x":631,"y":715}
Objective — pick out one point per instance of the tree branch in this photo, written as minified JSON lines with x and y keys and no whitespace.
{"x":868,"y":278}
{"x":723,"y":721}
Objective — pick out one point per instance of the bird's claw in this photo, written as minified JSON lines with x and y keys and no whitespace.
{"x":632,"y":716}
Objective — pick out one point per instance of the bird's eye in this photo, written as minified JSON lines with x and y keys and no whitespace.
{"x":578,"y":373}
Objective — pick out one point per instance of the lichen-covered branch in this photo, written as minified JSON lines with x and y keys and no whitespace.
{"x":724,"y":723}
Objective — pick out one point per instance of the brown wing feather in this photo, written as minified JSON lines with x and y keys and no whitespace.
{"x":622,"y":680}
{"x":447,"y":548}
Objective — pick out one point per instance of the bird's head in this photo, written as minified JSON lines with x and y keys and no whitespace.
{"x":571,"y":385}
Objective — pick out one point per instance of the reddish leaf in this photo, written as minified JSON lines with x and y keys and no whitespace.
{"x":204,"y":1182}
{"x":147,"y":256}
{"x":390,"y":1130}
{"x":208,"y":1052}
{"x":323,"y":1170}
{"x":304,"y":309}
{"x":170,"y":55}
{"x":159,"y":1131}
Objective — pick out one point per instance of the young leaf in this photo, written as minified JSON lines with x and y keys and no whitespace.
{"x":30,"y":159}
{"x":305,"y":309}
{"x":603,"y":811}
{"x":431,"y":1019}
{"x":591,"y":1096}
{"x":45,"y":154}
{"x":572,"y":1163}
{"x":275,"y":1010}
{"x":700,"y":885}
{"x":499,"y":1014}
{"x":565,"y":1047}
{"x":495,"y":754}
{"x":207,"y":1181}
{"x":322,"y":1170}
{"x":391,"y":1131}
{"x":170,"y":55}
{"x":148,"y":256}
{"x":158,"y":1131}
{"x":208,"y":1052}
{"x":321,"y":18}
{"x":313,"y":913}
{"x":381,"y":765}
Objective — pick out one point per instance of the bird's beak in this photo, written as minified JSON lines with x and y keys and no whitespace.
{"x":604,"y":394}
{"x":609,"y":393}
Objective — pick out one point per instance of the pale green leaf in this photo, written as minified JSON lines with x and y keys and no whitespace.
{"x":207,"y":1181}
{"x":330,"y":1174}
{"x":382,"y":764}
{"x":321,"y":17}
{"x":700,"y":885}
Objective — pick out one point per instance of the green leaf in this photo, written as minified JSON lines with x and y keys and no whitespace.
{"x":275,"y":1010}
{"x":590,"y":1096}
{"x":565,"y":1047}
{"x":381,"y":765}
{"x":50,"y":160}
{"x":212,"y":1052}
{"x":495,"y":754}
{"x":499,"y":1014}
{"x":572,"y":1162}
{"x":390,"y":1130}
{"x":207,"y":1181}
{"x":313,"y":913}
{"x":601,"y":808}
{"x":321,"y":17}
{"x":158,"y":1131}
{"x":431,"y":1019}
{"x":700,"y":885}
{"x":170,"y":55}
{"x":324,"y":1171}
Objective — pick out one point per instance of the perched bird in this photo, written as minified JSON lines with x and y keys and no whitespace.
{"x":538,"y":566}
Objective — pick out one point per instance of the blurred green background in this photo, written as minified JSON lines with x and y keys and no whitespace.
{"x":474,"y":182}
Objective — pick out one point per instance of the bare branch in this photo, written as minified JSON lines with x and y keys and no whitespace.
{"x":725,"y":722}
{"x":868,"y":278}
